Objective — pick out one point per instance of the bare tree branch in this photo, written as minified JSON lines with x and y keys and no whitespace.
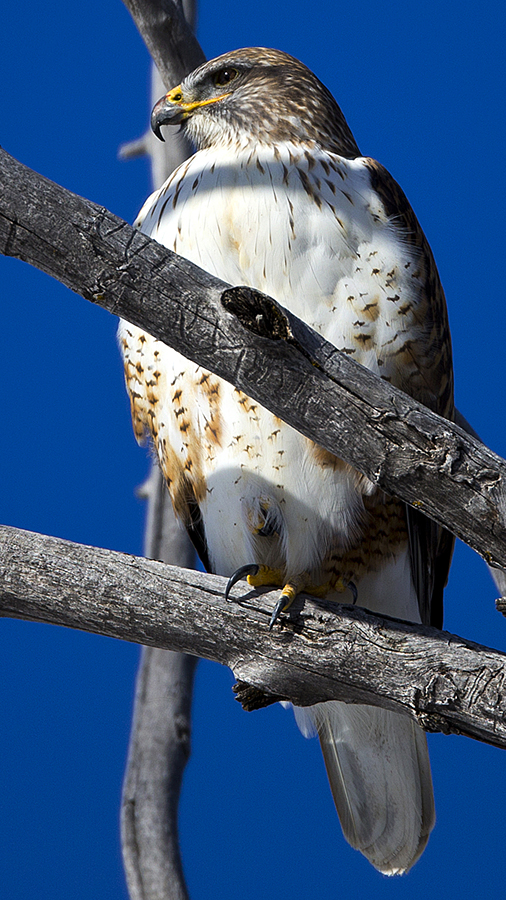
{"x":445,"y":682}
{"x":160,"y":736}
{"x":168,"y":37}
{"x":159,"y":750}
{"x":265,"y":351}
{"x":161,"y":728}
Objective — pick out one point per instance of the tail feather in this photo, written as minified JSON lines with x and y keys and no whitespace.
{"x":379,"y":772}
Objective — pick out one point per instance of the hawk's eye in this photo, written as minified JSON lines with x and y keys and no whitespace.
{"x":224,"y":76}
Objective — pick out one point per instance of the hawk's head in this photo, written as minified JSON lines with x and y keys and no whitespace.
{"x":255,"y":95}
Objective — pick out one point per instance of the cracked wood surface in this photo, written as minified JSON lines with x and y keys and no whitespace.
{"x":319,"y":652}
{"x":399,"y":444}
{"x":160,"y":738}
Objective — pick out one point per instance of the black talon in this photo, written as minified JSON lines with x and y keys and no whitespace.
{"x":354,"y":593}
{"x":239,"y":574}
{"x":277,"y":610}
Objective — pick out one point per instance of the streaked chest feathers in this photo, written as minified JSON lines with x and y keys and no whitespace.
{"x":309,"y":230}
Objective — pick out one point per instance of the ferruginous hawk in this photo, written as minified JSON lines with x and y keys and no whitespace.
{"x":278,"y":197}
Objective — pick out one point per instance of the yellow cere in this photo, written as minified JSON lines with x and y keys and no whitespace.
{"x":176,"y":96}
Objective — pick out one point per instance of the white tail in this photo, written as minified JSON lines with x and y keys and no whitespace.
{"x":379,"y":772}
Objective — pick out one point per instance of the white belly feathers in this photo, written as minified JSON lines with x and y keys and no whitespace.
{"x":324,"y":249}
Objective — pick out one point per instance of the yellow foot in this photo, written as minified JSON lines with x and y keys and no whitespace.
{"x":257,"y":576}
{"x":303,"y":584}
{"x":266,"y":575}
{"x":260,"y":575}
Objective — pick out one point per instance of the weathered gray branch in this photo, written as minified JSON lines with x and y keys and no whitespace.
{"x":161,"y":728}
{"x":160,"y":737}
{"x":171,"y":43}
{"x":273,"y":357}
{"x":345,"y":653}
{"x":158,"y":753}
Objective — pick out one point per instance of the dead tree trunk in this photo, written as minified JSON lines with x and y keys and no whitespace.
{"x":161,"y":726}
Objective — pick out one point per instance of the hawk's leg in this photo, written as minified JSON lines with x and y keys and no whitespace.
{"x":260,"y":575}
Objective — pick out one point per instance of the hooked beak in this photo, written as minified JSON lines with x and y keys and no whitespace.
{"x":173,"y":109}
{"x":167,"y":112}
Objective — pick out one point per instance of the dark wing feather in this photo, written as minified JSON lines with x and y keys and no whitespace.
{"x":196,"y":532}
{"x":431,"y":547}
{"x":431,"y":550}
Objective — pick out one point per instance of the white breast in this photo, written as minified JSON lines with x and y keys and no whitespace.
{"x":309,"y":231}
{"x":314,"y":235}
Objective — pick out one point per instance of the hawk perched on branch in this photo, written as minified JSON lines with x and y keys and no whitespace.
{"x":279,"y":198}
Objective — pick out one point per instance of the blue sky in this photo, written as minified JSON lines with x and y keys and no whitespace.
{"x":422,"y":86}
